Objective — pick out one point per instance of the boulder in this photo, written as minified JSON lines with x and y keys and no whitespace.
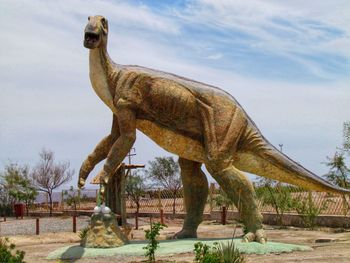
{"x":104,"y":232}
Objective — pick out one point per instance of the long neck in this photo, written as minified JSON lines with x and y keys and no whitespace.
{"x":101,"y":69}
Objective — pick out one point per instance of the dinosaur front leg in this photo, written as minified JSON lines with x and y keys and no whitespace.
{"x":195,"y":185}
{"x":121,"y":147}
{"x":99,"y":153}
{"x":241,"y":191}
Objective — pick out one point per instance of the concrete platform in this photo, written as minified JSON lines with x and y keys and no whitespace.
{"x":171,"y":247}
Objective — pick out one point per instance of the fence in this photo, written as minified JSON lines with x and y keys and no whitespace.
{"x":153,"y":201}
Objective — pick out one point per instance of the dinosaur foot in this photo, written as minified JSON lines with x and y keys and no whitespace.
{"x":258,"y":236}
{"x":81,"y":183}
{"x":185,"y":234}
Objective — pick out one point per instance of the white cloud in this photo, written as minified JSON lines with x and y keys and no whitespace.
{"x":291,"y":29}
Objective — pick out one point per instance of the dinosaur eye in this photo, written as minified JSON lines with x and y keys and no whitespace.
{"x":89,"y":18}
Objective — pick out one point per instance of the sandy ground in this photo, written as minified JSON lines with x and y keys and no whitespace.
{"x":338,"y":250}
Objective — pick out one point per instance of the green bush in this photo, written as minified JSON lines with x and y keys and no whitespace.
{"x":206,"y":254}
{"x":218,"y":253}
{"x":6,"y":210}
{"x":308,"y":210}
{"x":6,"y":252}
{"x":277,"y":195}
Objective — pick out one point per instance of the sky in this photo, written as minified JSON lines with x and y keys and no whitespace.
{"x":286,"y":62}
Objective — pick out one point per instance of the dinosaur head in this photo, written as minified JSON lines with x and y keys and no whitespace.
{"x":96,"y":31}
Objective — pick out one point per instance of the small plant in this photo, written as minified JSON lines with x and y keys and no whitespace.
{"x":276,"y":195}
{"x":229,"y":253}
{"x":308,"y":210}
{"x":206,"y":254}
{"x":73,"y":198}
{"x":83,"y":232}
{"x":6,"y":252}
{"x":151,"y":235}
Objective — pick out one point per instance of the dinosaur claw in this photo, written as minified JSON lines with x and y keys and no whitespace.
{"x":245,"y":240}
{"x":249,"y":237}
{"x":262,"y":241}
{"x":260,"y":236}
{"x":81,"y":183}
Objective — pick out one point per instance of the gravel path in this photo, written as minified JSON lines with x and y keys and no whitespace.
{"x":26,"y":226}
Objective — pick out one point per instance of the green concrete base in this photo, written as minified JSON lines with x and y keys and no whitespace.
{"x":171,"y":247}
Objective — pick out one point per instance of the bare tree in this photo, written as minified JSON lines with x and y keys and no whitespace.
{"x":165,"y":173}
{"x":48,"y":175}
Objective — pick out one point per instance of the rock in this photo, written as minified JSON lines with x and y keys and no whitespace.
{"x":104,"y":232}
{"x":325,"y":240}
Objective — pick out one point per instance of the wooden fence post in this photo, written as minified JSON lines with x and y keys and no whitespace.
{"x":74,"y":223}
{"x":159,"y":199}
{"x":79,"y":199}
{"x":223,"y":215}
{"x":37,"y":227}
{"x":161,"y":216}
{"x":211,"y":196}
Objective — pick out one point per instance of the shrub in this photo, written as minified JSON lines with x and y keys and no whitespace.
{"x":6,"y":252}
{"x":206,"y":254}
{"x":6,"y":210}
{"x":277,"y":195}
{"x":229,"y":253}
{"x":151,"y":235}
{"x":308,"y":210}
{"x":218,"y":253}
{"x":83,"y":232}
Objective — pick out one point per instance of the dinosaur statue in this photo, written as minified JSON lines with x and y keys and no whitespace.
{"x":200,"y":123}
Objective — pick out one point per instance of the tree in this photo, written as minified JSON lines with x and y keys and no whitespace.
{"x":135,"y":189}
{"x":73,"y":198}
{"x":277,"y":195}
{"x":18,"y":186}
{"x":339,"y":174}
{"x":308,"y":210}
{"x":221,"y":199}
{"x":346,"y":137}
{"x":48,"y":175}
{"x":165,"y":173}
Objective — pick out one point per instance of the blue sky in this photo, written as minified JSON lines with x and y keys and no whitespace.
{"x":286,"y":62}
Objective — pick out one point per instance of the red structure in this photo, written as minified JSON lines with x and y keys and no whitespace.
{"x":19,"y":210}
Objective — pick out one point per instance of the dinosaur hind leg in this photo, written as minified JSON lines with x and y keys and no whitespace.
{"x":240,"y":190}
{"x":195,"y":187}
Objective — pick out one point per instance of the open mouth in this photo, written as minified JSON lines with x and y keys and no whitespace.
{"x":90,"y":39}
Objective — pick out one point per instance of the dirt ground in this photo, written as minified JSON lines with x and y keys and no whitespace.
{"x":336,"y":249}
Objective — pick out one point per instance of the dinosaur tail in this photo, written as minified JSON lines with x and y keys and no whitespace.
{"x":256,"y":155}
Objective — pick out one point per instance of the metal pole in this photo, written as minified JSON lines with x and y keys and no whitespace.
{"x":281,"y":146}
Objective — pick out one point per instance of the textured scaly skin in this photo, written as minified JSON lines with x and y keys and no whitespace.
{"x":200,"y":123}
